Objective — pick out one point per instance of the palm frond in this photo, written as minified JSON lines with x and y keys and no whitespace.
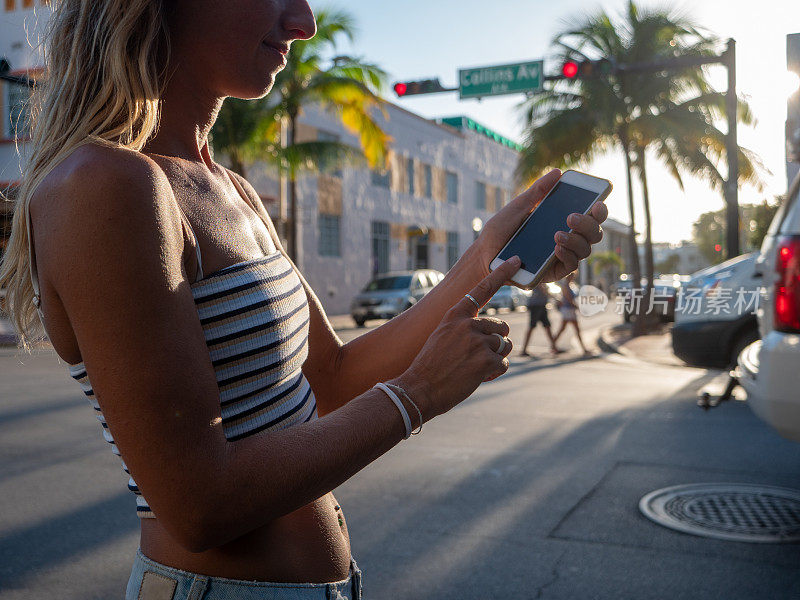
{"x":567,"y":139}
{"x":315,"y":157}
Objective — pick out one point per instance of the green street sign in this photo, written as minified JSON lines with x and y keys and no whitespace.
{"x":500,"y":80}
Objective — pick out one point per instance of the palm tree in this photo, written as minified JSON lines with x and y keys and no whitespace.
{"x":266,"y":129}
{"x":670,"y":114}
{"x":574,"y":121}
{"x":677,"y":112}
{"x":604,"y":263}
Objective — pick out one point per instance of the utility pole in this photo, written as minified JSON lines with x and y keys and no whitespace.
{"x":732,"y":150}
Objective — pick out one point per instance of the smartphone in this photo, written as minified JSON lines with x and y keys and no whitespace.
{"x":534,"y":242}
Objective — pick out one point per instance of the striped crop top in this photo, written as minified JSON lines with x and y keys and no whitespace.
{"x":255,"y":319}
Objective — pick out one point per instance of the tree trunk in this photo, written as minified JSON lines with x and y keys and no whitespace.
{"x":237,"y":166}
{"x":646,"y":319}
{"x":292,"y":195}
{"x":633,"y":249}
{"x":636,"y":269}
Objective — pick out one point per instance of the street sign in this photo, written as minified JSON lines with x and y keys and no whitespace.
{"x":501,"y":79}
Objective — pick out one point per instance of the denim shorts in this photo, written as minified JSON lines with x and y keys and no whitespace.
{"x":153,"y":581}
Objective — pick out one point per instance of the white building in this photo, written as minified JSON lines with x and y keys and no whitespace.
{"x":22,"y":23}
{"x":444,"y":180}
{"x":688,"y":259}
{"x":21,"y":27}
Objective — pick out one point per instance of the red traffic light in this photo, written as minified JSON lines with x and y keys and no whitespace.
{"x":569,"y":70}
{"x":718,"y":247}
{"x":400,"y":89}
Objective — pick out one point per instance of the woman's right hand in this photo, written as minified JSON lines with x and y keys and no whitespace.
{"x":461,"y":353}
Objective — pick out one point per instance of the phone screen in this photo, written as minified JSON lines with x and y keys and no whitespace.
{"x":534,"y":243}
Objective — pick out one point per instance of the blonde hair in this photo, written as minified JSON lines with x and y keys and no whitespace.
{"x":105,"y":63}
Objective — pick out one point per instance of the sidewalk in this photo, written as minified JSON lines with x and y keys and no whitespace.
{"x":655,"y":347}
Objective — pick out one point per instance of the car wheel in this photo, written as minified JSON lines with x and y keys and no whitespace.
{"x":360,"y":322}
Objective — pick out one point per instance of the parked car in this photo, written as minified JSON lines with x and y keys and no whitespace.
{"x":389,"y":294}
{"x":664,"y":295}
{"x":770,"y":368}
{"x":509,"y":297}
{"x":716,"y":318}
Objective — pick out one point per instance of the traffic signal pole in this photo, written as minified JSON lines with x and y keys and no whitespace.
{"x":731,"y":141}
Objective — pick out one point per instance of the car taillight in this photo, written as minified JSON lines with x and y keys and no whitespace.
{"x":787,"y":286}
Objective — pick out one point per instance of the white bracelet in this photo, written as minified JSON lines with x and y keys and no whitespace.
{"x":397,"y":402}
{"x":418,"y":430}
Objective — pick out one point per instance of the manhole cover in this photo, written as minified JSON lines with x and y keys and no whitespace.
{"x":729,"y":511}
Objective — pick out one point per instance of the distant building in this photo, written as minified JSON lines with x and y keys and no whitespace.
{"x":20,"y":21}
{"x":616,"y":239}
{"x":443,"y":181}
{"x":689,"y":258}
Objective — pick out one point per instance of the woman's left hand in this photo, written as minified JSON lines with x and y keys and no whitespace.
{"x":570,"y":249}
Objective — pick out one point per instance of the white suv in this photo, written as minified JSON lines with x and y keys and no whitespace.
{"x":770,"y":368}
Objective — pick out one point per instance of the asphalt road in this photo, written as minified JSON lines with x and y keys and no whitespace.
{"x":529,"y":489}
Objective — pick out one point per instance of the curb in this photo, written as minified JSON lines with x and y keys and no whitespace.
{"x":611,"y":347}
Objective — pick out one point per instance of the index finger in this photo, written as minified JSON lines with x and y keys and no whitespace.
{"x":488,"y":287}
{"x":530,"y":198}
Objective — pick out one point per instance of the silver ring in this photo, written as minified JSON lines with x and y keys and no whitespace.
{"x":478,"y":306}
{"x":502,"y":343}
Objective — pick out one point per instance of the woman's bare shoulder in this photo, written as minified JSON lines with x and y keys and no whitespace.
{"x":91,"y":170}
{"x":99,"y":196}
{"x":103,"y":185}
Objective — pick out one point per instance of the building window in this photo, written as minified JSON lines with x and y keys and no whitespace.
{"x":381,"y":178}
{"x":380,"y":247}
{"x":410,"y":175}
{"x":329,"y":235}
{"x":333,"y":168}
{"x":452,"y":188}
{"x":480,"y":195}
{"x":18,"y":101}
{"x":10,"y":4}
{"x":418,"y":251}
{"x":428,"y":181}
{"x":452,"y":248}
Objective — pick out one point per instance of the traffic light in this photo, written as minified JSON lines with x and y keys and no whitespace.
{"x":414,"y":88}
{"x":573,"y":69}
{"x":570,"y":69}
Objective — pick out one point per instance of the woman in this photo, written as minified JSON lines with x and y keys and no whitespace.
{"x":569,"y":312}
{"x":160,"y":279}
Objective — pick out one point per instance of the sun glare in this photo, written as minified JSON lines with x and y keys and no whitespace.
{"x":791,"y":83}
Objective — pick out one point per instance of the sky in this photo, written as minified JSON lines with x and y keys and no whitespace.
{"x":416,"y":39}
